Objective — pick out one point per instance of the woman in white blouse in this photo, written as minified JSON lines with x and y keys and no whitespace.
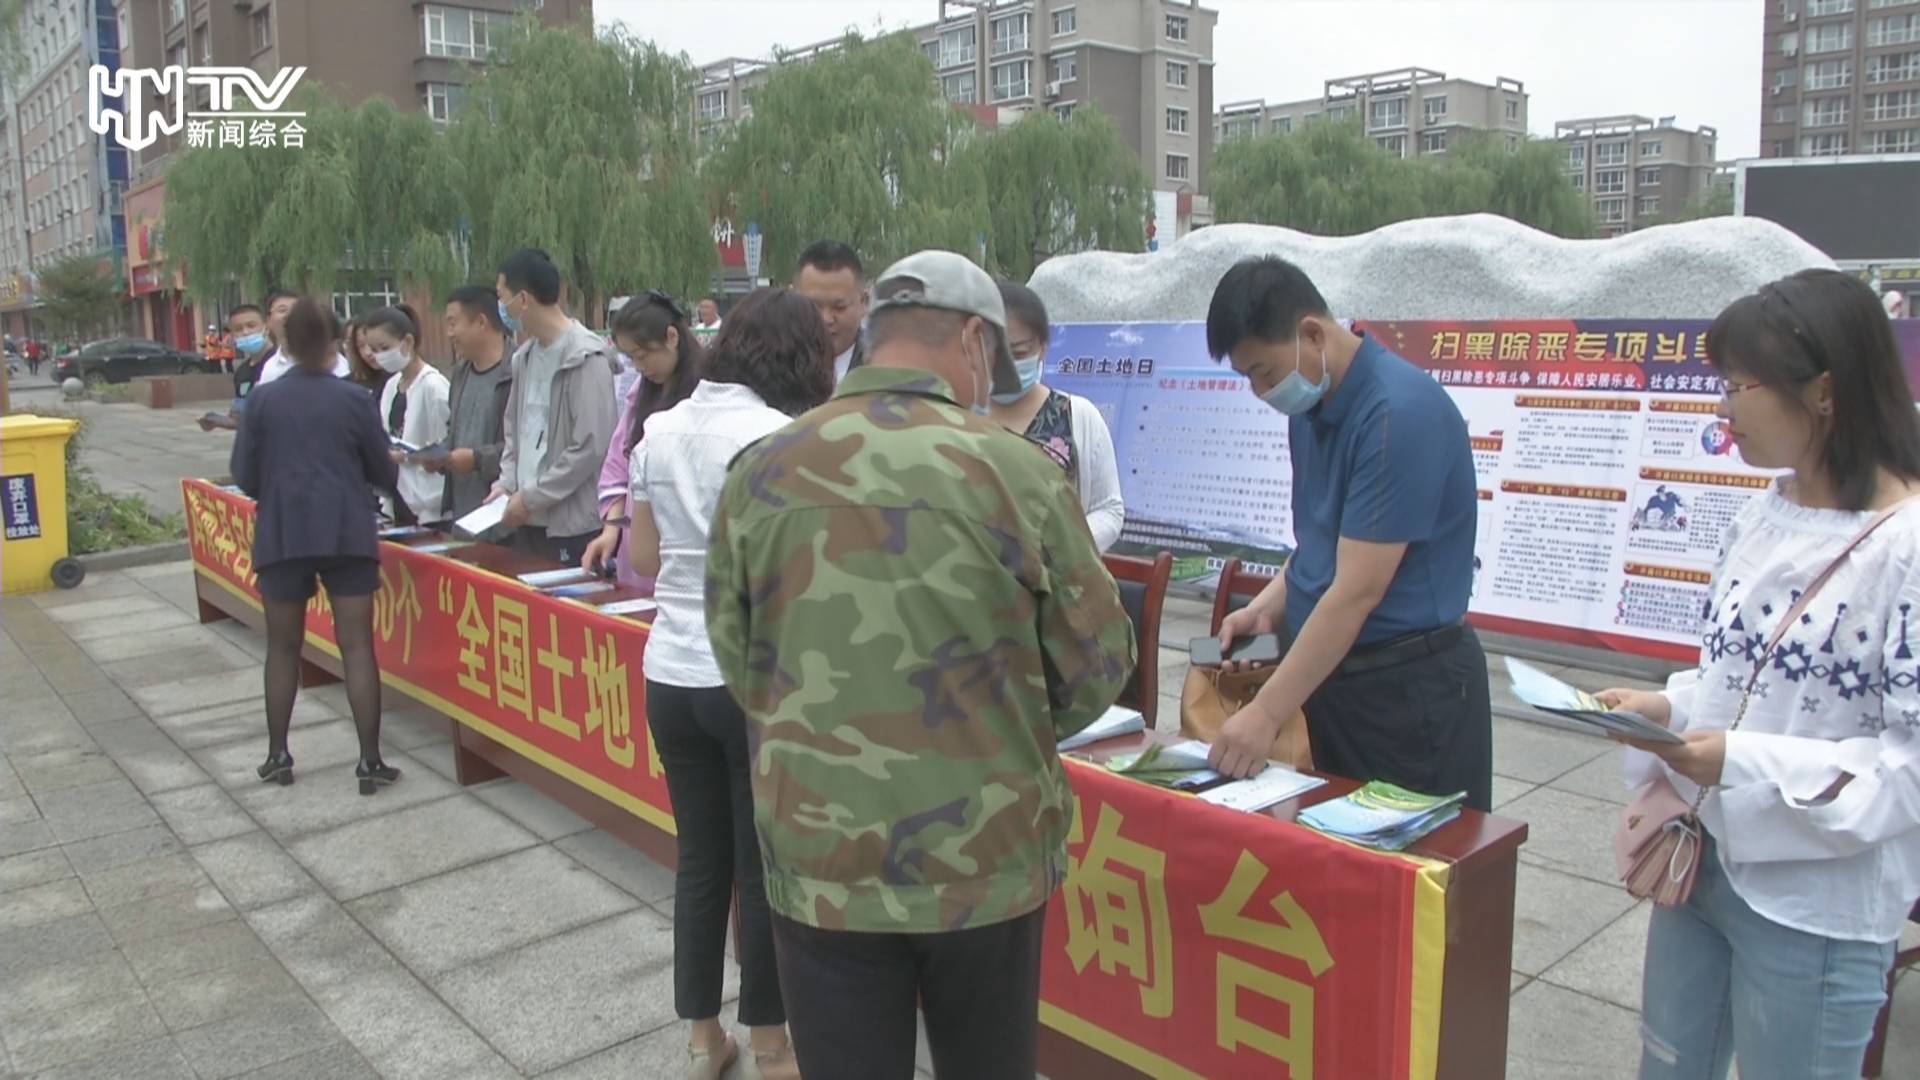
{"x":769,"y":363}
{"x":1812,"y":857}
{"x":1067,"y":426}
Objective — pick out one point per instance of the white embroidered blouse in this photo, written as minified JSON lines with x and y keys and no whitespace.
{"x":1839,"y":696}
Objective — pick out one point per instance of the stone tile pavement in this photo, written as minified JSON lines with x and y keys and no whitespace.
{"x":163,"y":916}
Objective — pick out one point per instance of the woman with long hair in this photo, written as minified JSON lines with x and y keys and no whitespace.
{"x":653,"y":332}
{"x":360,"y":356}
{"x":770,"y":362}
{"x":309,"y":448}
{"x":1800,"y":735}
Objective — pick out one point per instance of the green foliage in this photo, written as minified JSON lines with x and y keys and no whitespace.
{"x":81,"y":294}
{"x":1715,"y":201}
{"x":1056,"y":187}
{"x":859,"y":145}
{"x":1332,"y":179}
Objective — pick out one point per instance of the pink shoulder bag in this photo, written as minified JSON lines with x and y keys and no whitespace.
{"x":1656,"y":849}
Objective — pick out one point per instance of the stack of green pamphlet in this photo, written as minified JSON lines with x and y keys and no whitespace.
{"x":1382,"y":815}
{"x":1182,"y":765}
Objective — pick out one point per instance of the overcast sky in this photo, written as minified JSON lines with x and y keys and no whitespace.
{"x":1578,"y":58}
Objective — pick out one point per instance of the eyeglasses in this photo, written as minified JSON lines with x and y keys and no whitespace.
{"x":1729,"y":388}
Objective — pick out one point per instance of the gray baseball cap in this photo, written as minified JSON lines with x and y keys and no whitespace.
{"x":950,"y":282}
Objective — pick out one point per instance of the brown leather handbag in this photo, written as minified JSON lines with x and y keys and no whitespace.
{"x":1211,"y":695}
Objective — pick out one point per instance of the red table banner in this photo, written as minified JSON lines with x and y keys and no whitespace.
{"x":1188,"y":941}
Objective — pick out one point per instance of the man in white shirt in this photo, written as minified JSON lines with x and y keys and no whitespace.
{"x":279,"y":302}
{"x":706,"y":323}
{"x":829,"y":273}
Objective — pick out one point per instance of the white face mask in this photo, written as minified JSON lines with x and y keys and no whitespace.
{"x":392,"y":361}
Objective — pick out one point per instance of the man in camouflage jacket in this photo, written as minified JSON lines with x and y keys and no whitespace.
{"x":905,"y":600}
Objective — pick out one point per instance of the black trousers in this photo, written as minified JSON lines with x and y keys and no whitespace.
{"x":565,"y":550}
{"x":1425,"y":724}
{"x":851,"y":999}
{"x":702,"y":738}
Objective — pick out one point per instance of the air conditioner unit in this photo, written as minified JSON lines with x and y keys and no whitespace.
{"x":1793,"y":16}
{"x":1054,"y":88}
{"x":1775,"y":91}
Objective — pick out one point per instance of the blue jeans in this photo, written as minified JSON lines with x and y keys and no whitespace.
{"x":1722,"y":979}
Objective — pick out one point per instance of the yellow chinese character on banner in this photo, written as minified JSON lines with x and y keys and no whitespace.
{"x":607,"y":713}
{"x":1630,"y":346}
{"x":1700,"y":345}
{"x":1446,"y":345}
{"x":472,"y":630}
{"x":1553,"y":345}
{"x":1670,"y":348}
{"x":1293,"y":935}
{"x":1589,"y":346}
{"x":558,"y":667}
{"x":1515,"y":347}
{"x":511,"y":687}
{"x":393,"y":604}
{"x":1479,"y":346}
{"x":1129,"y":928}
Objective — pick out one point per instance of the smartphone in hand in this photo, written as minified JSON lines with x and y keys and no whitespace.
{"x":1256,"y":649}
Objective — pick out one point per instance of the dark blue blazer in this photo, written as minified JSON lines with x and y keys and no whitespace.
{"x":309,"y":447}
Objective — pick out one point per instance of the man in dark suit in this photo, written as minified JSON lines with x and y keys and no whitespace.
{"x":830,"y":274}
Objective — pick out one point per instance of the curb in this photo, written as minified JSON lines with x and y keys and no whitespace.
{"x":144,"y":555}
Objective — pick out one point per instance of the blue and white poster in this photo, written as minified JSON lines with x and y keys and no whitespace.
{"x":22,"y":506}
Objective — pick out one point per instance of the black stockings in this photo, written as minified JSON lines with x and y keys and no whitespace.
{"x":353,"y":632}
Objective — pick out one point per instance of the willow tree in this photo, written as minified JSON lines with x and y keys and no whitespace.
{"x":1059,"y":186}
{"x":368,"y":194}
{"x":582,"y":146}
{"x":1525,"y":180}
{"x":855,"y":144}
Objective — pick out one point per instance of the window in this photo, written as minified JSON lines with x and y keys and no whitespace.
{"x":1652,"y":148}
{"x":1829,"y":74}
{"x":1240,"y":127}
{"x":961,"y":87}
{"x":1826,"y":112}
{"x":1790,"y":43}
{"x":1063,"y":68}
{"x":465,"y":34}
{"x":1176,"y":74}
{"x":1579,"y":181}
{"x":177,"y":56}
{"x":176,"y":13}
{"x":1065,"y":21}
{"x":1176,"y":121}
{"x":443,"y":100}
{"x":1609,"y":181}
{"x":1876,"y":5}
{"x":1010,"y":34}
{"x":1577,"y":157}
{"x":1893,"y":105}
{"x":1646,"y":206}
{"x":203,"y":43}
{"x":1176,"y":28}
{"x":1817,"y":8}
{"x":1901,"y":141}
{"x":1823,"y":145}
{"x":1064,"y":113}
{"x":1392,"y":144}
{"x":1783,"y":115}
{"x":1610,"y":153}
{"x":1178,"y":166}
{"x":957,"y":46}
{"x":1282,"y":125}
{"x":1513,"y":110}
{"x":1786,"y":78}
{"x":1647,"y":176}
{"x":1610,"y":211}
{"x":1894,"y":30}
{"x":1013,"y":80}
{"x":713,"y":105}
{"x":1893,"y":67}
{"x":1433,"y":142}
{"x":1830,"y":37}
{"x":1391,"y":113}
{"x":1434,"y":108}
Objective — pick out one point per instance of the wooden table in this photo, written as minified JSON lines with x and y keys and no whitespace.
{"x":1479,"y":848}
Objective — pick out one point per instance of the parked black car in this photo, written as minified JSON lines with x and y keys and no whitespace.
{"x":118,"y":360}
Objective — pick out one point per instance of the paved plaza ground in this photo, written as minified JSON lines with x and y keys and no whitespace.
{"x":163,"y":915}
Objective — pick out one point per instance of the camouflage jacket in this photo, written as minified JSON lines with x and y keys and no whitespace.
{"x":906,"y":601}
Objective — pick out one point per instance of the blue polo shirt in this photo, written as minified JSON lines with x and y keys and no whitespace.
{"x":1385,"y":458}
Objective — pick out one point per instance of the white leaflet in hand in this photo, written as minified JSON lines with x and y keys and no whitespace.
{"x":484,"y":517}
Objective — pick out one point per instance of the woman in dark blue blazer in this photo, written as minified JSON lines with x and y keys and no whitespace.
{"x":310,"y":446}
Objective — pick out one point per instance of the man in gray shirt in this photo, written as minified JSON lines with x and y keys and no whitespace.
{"x":482,"y":380}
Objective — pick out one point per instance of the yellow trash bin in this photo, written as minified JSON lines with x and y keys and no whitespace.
{"x":33,"y":504}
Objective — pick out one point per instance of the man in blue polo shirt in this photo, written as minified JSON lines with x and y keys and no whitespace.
{"x":1374,"y":599}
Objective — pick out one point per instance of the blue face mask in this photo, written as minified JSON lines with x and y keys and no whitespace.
{"x":513,"y":324}
{"x":1029,"y":372}
{"x":1294,"y":395}
{"x":251,"y":343}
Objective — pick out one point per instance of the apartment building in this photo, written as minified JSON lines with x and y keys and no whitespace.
{"x":1840,"y":77}
{"x":1408,"y":111}
{"x":60,"y":186}
{"x":1637,"y":169}
{"x":412,"y":53}
{"x":1147,"y":64}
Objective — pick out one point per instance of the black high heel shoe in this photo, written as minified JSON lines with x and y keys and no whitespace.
{"x":277,"y":769}
{"x":374,"y":774}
